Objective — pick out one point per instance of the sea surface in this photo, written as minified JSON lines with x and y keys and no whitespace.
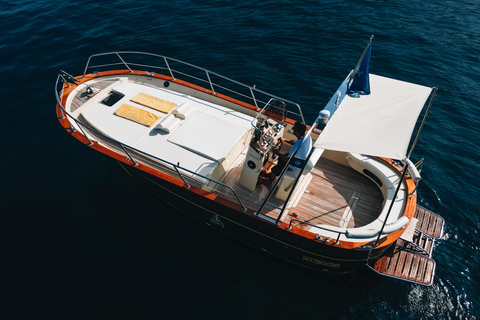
{"x":80,"y":240}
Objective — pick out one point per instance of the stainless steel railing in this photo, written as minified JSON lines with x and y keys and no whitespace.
{"x":224,"y":83}
{"x":124,"y":147}
{"x":318,"y":227}
{"x":135,"y":60}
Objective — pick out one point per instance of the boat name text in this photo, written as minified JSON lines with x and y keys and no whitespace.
{"x":321,"y":262}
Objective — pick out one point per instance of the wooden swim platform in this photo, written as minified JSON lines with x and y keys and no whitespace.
{"x":429,"y":222}
{"x":411,"y":259}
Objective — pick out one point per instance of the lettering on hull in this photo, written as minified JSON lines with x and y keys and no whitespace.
{"x":321,"y":262}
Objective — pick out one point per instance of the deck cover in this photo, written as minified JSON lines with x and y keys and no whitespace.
{"x":379,"y":124}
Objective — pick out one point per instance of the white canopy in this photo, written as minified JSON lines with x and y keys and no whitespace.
{"x":380,"y":124}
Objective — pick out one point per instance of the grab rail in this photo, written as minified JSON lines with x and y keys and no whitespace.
{"x":121,"y":55}
{"x":316,"y":226}
{"x":122,"y":145}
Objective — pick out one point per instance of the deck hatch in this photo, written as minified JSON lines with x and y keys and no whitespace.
{"x":113,"y":98}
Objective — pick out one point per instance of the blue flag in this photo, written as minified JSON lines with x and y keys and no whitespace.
{"x":360,"y":83}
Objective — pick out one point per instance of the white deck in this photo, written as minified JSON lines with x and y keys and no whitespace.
{"x":199,"y":143}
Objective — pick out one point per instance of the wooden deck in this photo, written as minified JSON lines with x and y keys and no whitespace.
{"x":82,"y":97}
{"x":336,"y":195}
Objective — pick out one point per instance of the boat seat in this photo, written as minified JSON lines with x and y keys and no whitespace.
{"x":394,"y":222}
{"x":371,"y":230}
{"x":290,"y":176}
{"x":375,"y":170}
{"x":387,"y":180}
{"x":199,"y":131}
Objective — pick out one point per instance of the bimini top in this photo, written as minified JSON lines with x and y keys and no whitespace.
{"x":379,"y":124}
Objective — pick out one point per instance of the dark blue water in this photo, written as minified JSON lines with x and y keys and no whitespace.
{"x":81,"y":241}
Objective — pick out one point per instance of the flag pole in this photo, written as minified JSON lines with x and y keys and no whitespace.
{"x":359,"y":61}
{"x":359,"y":83}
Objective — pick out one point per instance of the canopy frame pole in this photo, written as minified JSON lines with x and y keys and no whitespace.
{"x":423,"y":121}
{"x":392,"y":202}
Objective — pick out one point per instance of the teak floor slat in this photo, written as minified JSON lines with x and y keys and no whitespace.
{"x":407,"y":265}
{"x":429,"y":222}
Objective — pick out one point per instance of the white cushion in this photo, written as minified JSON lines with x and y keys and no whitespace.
{"x":183,"y":111}
{"x":168,"y":124}
{"x":208,"y":136}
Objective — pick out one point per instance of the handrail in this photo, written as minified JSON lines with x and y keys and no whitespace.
{"x":208,"y":73}
{"x":129,"y":157}
{"x":316,"y":226}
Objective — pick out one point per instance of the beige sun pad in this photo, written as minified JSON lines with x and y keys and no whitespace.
{"x":154,"y":102}
{"x":138,"y":115}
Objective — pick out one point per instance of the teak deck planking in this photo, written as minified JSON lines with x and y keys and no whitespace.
{"x":336,"y":195}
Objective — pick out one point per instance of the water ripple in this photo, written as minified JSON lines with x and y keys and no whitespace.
{"x":300,"y":51}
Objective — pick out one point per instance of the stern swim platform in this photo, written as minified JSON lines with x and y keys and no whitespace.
{"x":410,"y":258}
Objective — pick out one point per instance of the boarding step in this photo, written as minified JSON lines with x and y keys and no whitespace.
{"x":422,"y":243}
{"x":402,"y":263}
{"x":429,"y":222}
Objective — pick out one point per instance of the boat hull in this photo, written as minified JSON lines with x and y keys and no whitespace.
{"x":253,"y":230}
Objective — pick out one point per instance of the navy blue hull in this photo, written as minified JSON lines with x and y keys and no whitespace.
{"x":254,"y":231}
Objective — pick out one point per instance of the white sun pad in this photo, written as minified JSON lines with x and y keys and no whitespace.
{"x":207,"y":135}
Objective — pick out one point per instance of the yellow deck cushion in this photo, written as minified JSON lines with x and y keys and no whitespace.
{"x":154,"y":102}
{"x":138,"y":115}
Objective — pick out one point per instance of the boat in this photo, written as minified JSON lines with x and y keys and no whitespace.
{"x":200,"y":142}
